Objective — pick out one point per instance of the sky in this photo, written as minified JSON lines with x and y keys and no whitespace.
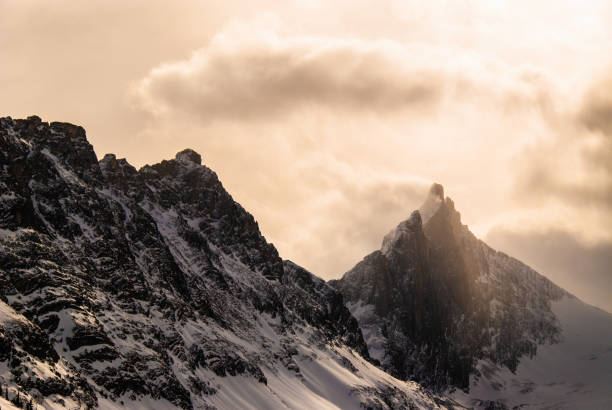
{"x":328,"y":121}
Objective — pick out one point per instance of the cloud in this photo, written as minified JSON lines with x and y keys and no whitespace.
{"x":591,"y":190}
{"x":350,"y":221}
{"x":563,"y":187}
{"x":596,"y":112}
{"x":324,"y":213}
{"x":344,"y":135}
{"x":574,"y":165}
{"x":585,"y":269}
{"x":251,"y":72}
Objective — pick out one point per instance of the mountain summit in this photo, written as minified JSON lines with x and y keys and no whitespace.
{"x":437,"y":305}
{"x":432,"y":203}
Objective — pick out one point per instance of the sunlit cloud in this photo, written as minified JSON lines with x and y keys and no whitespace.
{"x":261,"y":75}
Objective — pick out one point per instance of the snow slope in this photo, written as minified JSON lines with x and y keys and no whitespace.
{"x":575,"y":373}
{"x":7,"y":405}
{"x":327,"y":379}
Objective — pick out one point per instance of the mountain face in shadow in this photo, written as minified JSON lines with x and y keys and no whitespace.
{"x":438,"y":306}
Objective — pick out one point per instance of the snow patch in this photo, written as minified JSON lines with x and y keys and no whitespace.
{"x":369,"y":323}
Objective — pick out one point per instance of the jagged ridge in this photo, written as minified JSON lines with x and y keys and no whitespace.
{"x":153,"y":286}
{"x":435,"y":300}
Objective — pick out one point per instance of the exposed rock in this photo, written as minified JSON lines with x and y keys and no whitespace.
{"x":435,"y":300}
{"x":189,"y":155}
{"x":124,"y":285}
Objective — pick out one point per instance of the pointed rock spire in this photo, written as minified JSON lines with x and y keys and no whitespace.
{"x":432,"y":203}
{"x":437,"y":190}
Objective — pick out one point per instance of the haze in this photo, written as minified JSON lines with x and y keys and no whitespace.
{"x":329,"y":120}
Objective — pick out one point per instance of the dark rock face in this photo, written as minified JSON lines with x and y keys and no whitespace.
{"x":124,"y":282}
{"x":435,"y":300}
{"x":189,"y":155}
{"x":320,"y":305}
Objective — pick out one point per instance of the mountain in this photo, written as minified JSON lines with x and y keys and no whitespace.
{"x":438,"y":306}
{"x":154,"y":289}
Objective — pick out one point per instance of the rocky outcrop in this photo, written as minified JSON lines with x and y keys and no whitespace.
{"x":321,"y":306}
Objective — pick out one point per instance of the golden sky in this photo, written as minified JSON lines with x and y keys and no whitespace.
{"x":329,"y":120}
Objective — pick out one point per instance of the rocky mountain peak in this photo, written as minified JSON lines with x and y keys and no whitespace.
{"x":189,"y":156}
{"x":112,"y":167}
{"x":424,"y":298}
{"x":437,"y":190}
{"x":433,"y":202}
{"x":57,"y":141}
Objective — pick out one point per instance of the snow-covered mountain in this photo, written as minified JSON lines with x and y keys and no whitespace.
{"x":439,"y":306}
{"x":153,"y":289}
